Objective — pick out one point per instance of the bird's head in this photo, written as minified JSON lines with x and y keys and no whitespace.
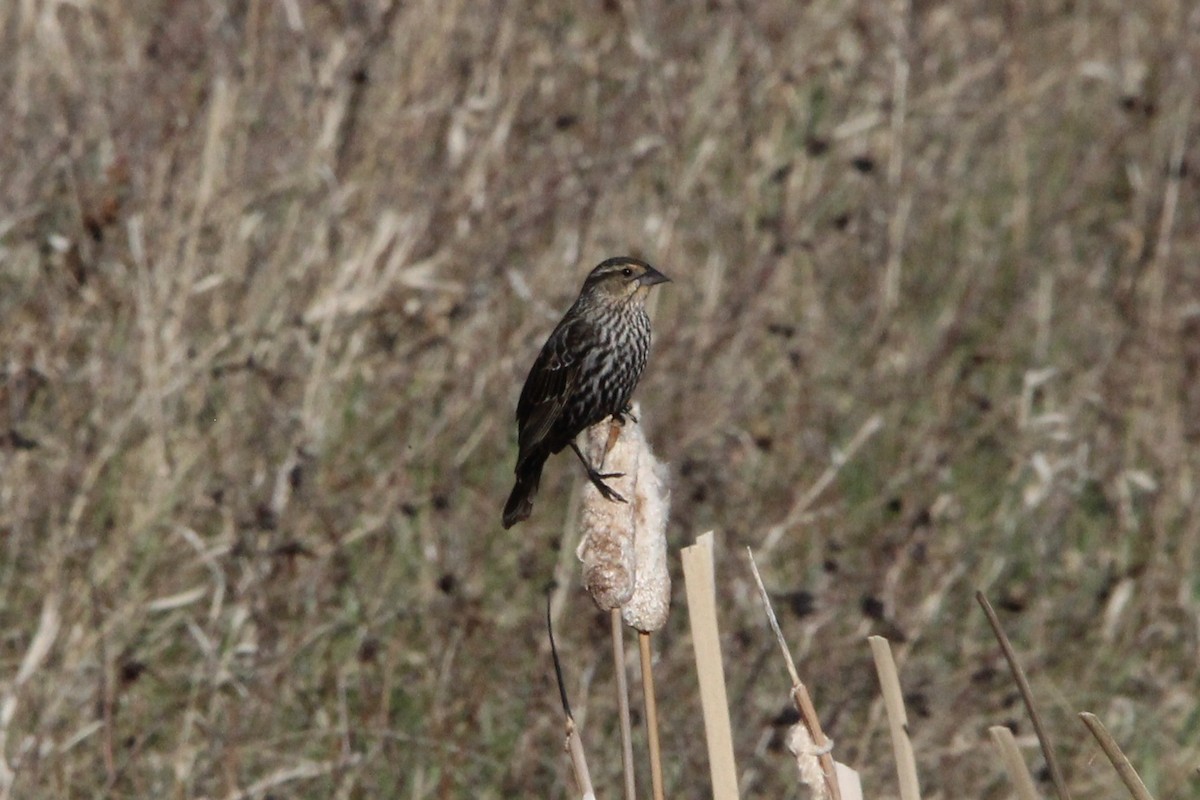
{"x":622,"y":278}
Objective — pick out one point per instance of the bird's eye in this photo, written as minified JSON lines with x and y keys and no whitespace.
{"x":627,"y":272}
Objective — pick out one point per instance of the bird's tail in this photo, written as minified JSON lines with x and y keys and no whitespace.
{"x":520,"y":502}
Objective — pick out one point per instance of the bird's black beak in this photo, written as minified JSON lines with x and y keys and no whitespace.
{"x":652,"y":277}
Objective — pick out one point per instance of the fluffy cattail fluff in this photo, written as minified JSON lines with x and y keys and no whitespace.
{"x":800,"y":743}
{"x":606,"y":546}
{"x":647,"y":609}
{"x":623,"y":547}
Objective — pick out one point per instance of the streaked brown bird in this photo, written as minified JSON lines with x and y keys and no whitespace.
{"x":586,"y":371}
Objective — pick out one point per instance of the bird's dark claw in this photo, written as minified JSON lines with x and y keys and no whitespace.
{"x":626,"y":412}
{"x":606,"y":491}
{"x":598,"y":478}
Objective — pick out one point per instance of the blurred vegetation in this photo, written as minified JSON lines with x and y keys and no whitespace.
{"x":271,"y":274}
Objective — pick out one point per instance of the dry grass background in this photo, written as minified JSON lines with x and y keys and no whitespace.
{"x":271,"y":274}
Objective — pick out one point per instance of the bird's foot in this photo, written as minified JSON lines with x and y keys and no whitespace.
{"x":598,"y":480}
{"x":626,"y":412}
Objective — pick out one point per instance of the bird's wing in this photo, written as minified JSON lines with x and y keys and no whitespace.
{"x":551,"y":381}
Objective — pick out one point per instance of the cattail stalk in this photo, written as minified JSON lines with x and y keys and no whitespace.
{"x":624,"y":553}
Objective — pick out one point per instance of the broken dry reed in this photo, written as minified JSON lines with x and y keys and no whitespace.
{"x":706,"y":642}
{"x":849,"y":782}
{"x":893,"y":700}
{"x":822,"y":747}
{"x":1018,"y":674}
{"x":1133,"y":781}
{"x":1014,"y":765}
{"x":574,"y":746}
{"x":574,"y":742}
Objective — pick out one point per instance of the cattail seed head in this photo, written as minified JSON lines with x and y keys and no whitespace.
{"x":623,"y":546}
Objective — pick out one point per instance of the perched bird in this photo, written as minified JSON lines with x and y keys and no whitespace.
{"x":586,"y":371}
